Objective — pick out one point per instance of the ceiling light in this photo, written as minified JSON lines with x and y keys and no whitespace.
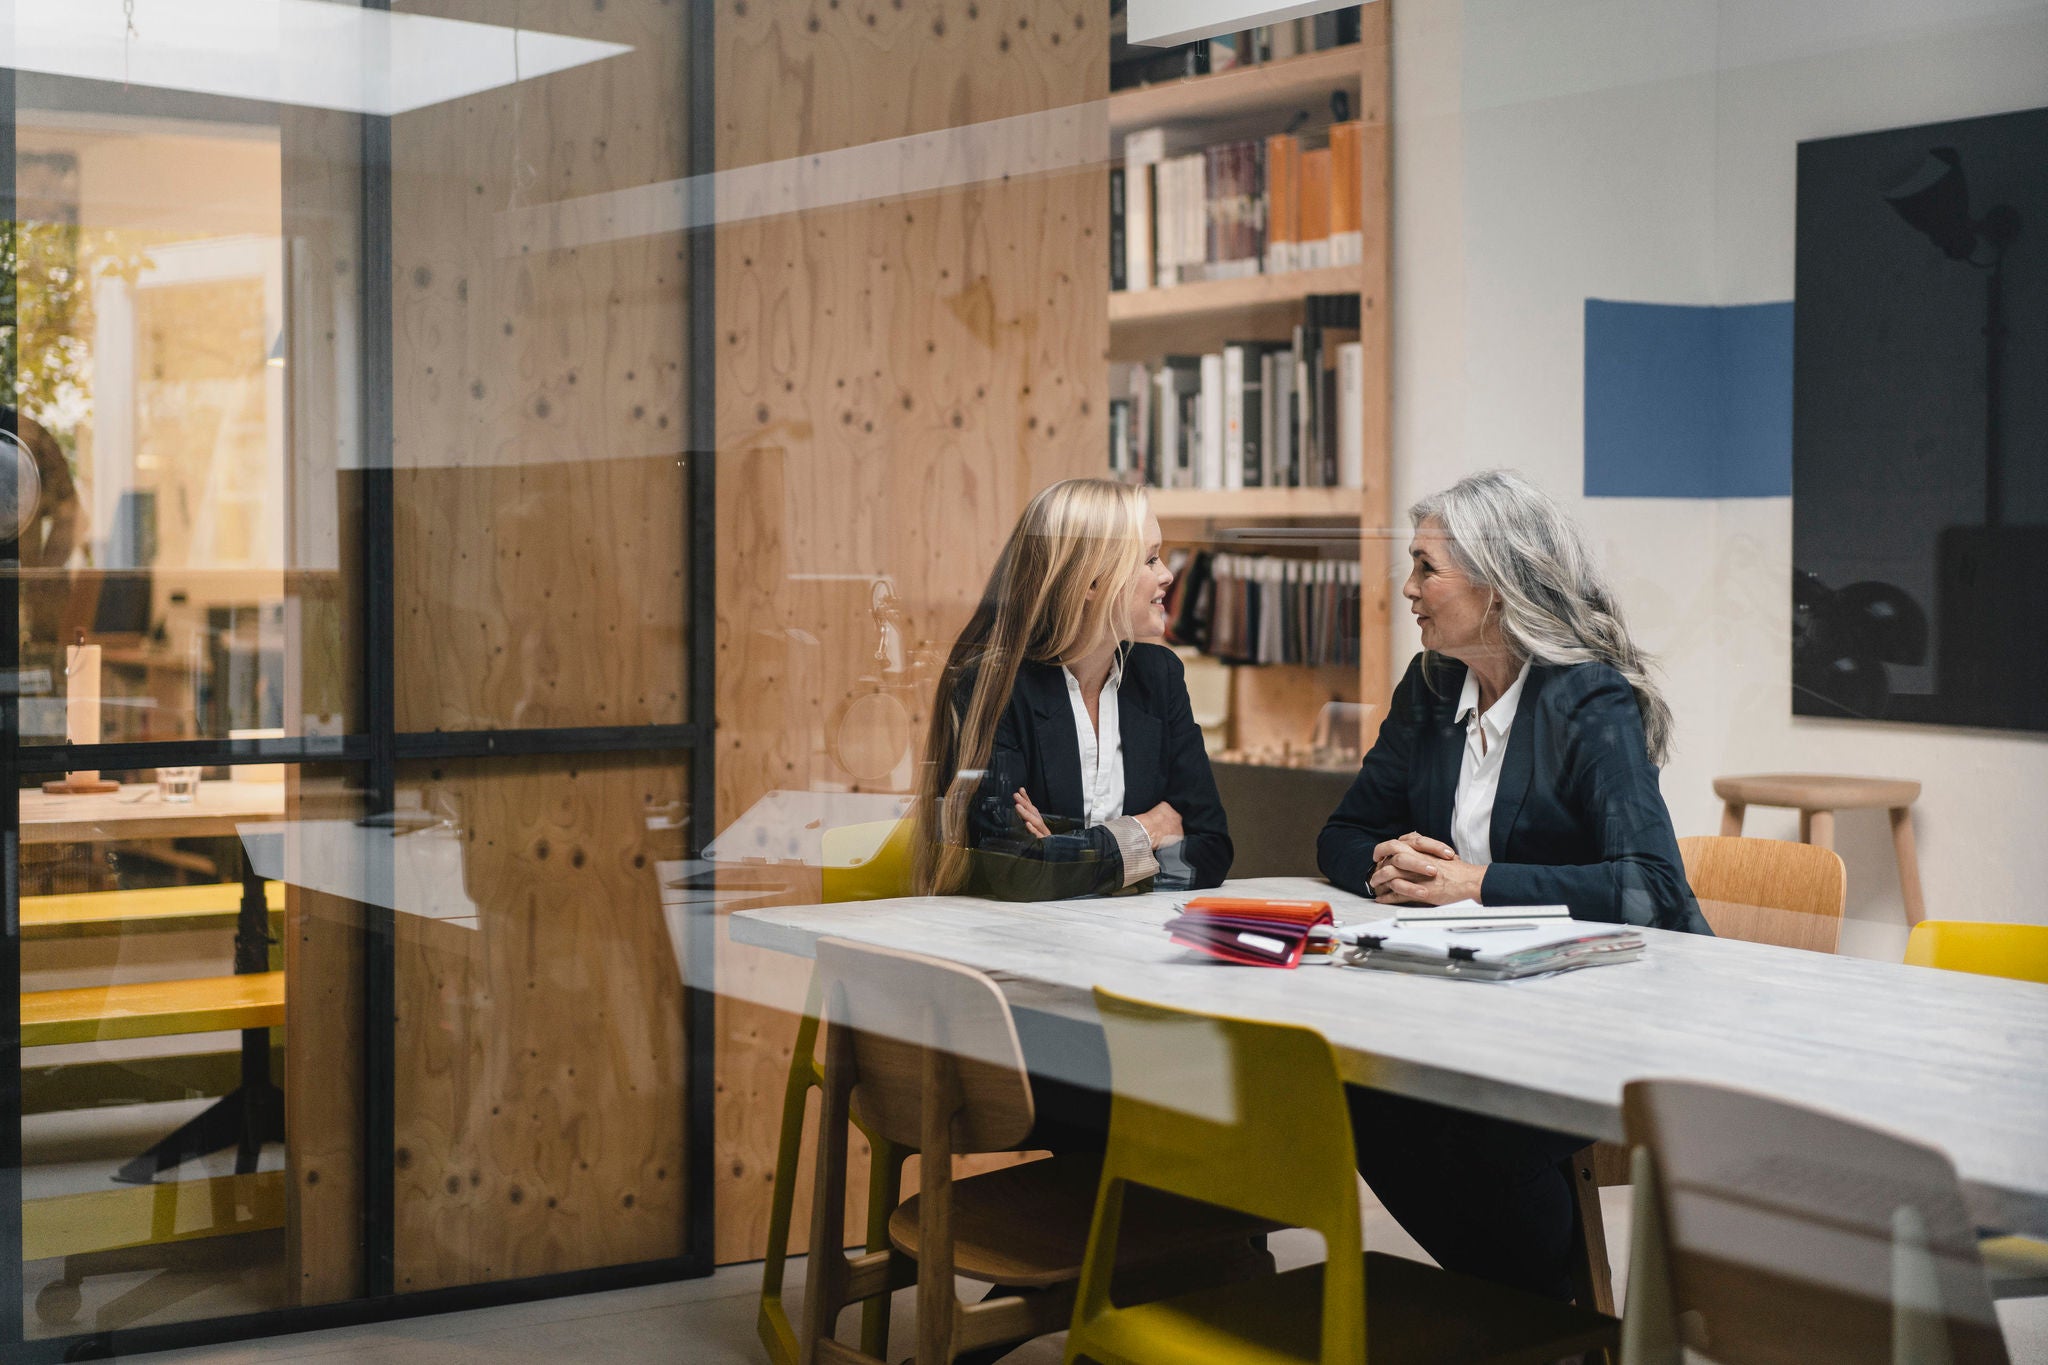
{"x":1165,"y":23}
{"x":293,"y":52}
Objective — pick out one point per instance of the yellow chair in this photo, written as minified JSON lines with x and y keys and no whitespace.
{"x":860,"y":862}
{"x":1251,"y":1117}
{"x":2019,"y":951}
{"x":2018,"y":1266}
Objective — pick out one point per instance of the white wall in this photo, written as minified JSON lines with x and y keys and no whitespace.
{"x":1551,"y":151}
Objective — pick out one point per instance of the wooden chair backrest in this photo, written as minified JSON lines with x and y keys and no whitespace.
{"x":1768,"y":890}
{"x":914,"y":1019}
{"x":1783,"y":1230}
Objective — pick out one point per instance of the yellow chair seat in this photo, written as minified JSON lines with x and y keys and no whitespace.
{"x":2016,"y":1266}
{"x":76,"y":910}
{"x":1413,"y":1312}
{"x":151,"y":1009}
{"x":2019,"y":951}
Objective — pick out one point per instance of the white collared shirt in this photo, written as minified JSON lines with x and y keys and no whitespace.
{"x":1486,"y":744}
{"x":1102,"y":748}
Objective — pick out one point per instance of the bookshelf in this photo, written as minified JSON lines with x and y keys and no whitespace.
{"x":1178,"y":506}
{"x":1211,"y":298}
{"x":1274,"y":706}
{"x":1291,"y":82}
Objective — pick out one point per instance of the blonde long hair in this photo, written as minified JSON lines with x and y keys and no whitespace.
{"x":1075,"y":535}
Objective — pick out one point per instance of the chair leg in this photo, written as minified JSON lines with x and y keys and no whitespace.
{"x":885,"y":1190}
{"x":1731,"y":818}
{"x":1909,"y":864}
{"x":1592,"y":1273}
{"x":1817,"y":827}
{"x":825,"y":1291}
{"x":778,"y":1334}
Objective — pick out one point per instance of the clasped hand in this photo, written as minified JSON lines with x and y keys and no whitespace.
{"x":1418,"y":870}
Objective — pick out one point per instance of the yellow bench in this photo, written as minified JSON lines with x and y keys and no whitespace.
{"x":150,"y":1215}
{"x":86,"y":909}
{"x":150,"y":1009}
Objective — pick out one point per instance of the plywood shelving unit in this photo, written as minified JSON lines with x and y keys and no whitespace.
{"x":1278,"y":704}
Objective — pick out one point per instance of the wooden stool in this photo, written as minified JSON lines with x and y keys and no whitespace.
{"x":1817,"y":797}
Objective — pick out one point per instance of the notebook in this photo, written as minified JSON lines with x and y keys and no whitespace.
{"x":1491,"y":952}
{"x":1469,"y":912}
{"x":1251,"y":931}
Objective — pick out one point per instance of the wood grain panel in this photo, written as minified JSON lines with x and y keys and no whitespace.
{"x":323,"y":1037}
{"x":894,"y":379}
{"x":1375,"y":109}
{"x":540,"y":394}
{"x":541,"y":1058}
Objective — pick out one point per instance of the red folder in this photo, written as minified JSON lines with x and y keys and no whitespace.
{"x":1255,"y":932}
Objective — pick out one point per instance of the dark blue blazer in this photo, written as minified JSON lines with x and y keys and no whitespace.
{"x":1578,"y":819}
{"x":1036,"y":748}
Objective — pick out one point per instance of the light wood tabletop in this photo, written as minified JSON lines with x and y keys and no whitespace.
{"x":1954,"y":1060}
{"x":137,"y":812}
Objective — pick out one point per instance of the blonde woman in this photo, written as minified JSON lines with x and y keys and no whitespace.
{"x":1063,"y":759}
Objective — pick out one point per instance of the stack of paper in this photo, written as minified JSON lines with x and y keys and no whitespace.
{"x":1490,"y":952}
{"x":1469,"y":912}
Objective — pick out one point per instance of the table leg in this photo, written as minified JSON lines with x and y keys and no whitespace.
{"x":1909,"y":864}
{"x":253,"y":1112}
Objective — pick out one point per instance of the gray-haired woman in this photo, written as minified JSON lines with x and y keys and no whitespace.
{"x":1517,"y":765}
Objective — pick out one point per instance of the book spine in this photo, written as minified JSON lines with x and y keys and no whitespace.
{"x":1142,"y":151}
{"x":1253,"y":416}
{"x":1314,"y":224}
{"x":1209,"y":472}
{"x":1118,"y":265}
{"x":1351,"y":415}
{"x":1282,"y":202}
{"x":1233,"y":416}
{"x":1269,"y":405}
{"x":1347,"y":203}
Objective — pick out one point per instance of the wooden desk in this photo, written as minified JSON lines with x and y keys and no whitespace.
{"x":137,"y":812}
{"x":1953,"y":1060}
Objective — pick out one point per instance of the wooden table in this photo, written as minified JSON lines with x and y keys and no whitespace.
{"x":137,"y":812}
{"x":253,"y":1113}
{"x":1954,"y":1060}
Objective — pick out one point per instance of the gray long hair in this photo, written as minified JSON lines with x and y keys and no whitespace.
{"x":1555,"y":607}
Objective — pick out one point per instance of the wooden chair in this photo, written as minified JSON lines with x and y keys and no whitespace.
{"x":1817,"y":797}
{"x":1759,"y":891}
{"x":1766,"y":1232}
{"x":858,"y":862}
{"x":927,"y":1052}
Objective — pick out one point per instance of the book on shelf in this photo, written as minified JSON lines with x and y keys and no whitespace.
{"x":1256,"y":414}
{"x":1256,"y":206}
{"x":1143,"y":151}
{"x":1265,"y":609}
{"x":1117,"y":248}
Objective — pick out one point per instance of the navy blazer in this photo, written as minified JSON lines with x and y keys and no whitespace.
{"x":1577,"y":820}
{"x":1036,"y":748}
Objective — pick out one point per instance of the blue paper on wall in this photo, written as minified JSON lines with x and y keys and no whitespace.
{"x":1688,"y":401}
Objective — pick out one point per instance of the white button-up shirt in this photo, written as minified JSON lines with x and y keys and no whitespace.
{"x":1486,"y":743}
{"x":1102,"y":748}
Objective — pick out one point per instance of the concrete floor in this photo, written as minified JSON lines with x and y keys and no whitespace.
{"x":711,"y":1321}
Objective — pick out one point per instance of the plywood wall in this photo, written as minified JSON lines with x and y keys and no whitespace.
{"x":323,"y":953}
{"x":541,"y":1062}
{"x":540,"y":393}
{"x":540,"y":489}
{"x":895,"y":377}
